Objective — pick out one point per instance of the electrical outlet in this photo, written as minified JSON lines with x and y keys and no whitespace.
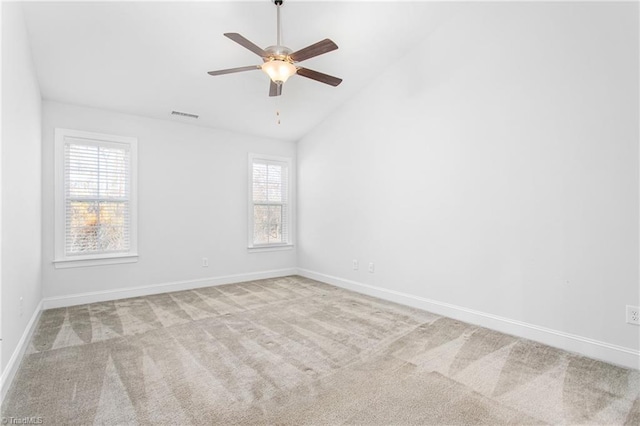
{"x":633,"y":315}
{"x":372,"y":268}
{"x":205,"y":262}
{"x":356,"y":265}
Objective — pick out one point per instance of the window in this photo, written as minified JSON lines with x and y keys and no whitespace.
{"x":95,"y":199}
{"x":269,"y":202}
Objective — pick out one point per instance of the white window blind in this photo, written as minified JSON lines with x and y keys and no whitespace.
{"x":95,"y":205}
{"x":270,"y":212}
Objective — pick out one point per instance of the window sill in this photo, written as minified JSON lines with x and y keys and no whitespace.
{"x":261,"y":249}
{"x":95,"y":261}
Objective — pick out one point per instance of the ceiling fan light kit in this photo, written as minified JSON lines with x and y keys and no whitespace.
{"x":279,"y":60}
{"x":278,"y":70}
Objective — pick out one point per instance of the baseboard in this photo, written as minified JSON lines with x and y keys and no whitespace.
{"x":591,"y":348}
{"x":11,"y":368}
{"x":123,"y":293}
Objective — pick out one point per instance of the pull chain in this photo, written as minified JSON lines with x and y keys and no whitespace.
{"x":278,"y":115}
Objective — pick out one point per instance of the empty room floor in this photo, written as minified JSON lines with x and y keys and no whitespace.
{"x":296,"y":351}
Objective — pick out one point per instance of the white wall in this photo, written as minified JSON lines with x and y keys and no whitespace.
{"x":494,"y":168}
{"x":21,"y":171}
{"x":192,"y":186}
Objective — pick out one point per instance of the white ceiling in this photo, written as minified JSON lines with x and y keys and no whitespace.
{"x":148,"y":58}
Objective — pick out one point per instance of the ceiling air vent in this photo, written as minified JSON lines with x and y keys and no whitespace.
{"x":184,"y":114}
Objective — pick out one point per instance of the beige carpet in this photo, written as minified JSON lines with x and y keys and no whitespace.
{"x":296,"y":351}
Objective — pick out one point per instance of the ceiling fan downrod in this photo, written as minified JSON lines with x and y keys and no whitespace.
{"x":278,"y":4}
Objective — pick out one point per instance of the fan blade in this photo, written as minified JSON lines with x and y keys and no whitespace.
{"x":246,"y":44}
{"x":232,"y":70}
{"x":316,"y":49}
{"x":318,"y":76}
{"x":275,"y":89}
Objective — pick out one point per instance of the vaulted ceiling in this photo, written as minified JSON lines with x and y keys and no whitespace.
{"x":148,"y":58}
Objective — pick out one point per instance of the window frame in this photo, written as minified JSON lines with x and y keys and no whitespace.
{"x":288,"y":245}
{"x":61,"y":260}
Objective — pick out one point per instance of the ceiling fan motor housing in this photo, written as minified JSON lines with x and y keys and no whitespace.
{"x":278,"y":52}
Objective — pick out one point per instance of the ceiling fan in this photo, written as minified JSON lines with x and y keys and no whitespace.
{"x":279,"y":60}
